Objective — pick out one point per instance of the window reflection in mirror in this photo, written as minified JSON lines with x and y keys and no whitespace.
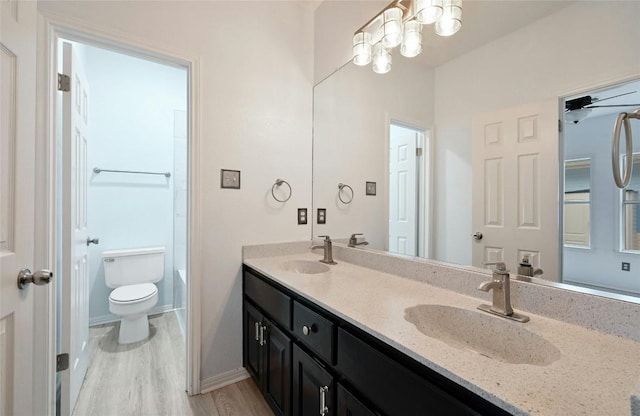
{"x":631,"y":209}
{"x":577,"y":203}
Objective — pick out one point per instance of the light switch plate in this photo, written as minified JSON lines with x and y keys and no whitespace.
{"x":371,"y":188}
{"x":229,"y":179}
{"x":302,"y":216}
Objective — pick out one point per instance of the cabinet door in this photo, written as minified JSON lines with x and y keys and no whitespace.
{"x":348,"y":405}
{"x":277,"y":378}
{"x":312,"y":386}
{"x":253,"y":361}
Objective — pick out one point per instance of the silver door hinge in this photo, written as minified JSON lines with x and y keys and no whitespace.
{"x":418,"y":151}
{"x":64,"y":83}
{"x":560,"y":126}
{"x":62,"y":362}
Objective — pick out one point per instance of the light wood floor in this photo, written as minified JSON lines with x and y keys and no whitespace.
{"x":148,"y":378}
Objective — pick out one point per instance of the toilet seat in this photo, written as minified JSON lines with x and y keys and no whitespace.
{"x":133,"y":293}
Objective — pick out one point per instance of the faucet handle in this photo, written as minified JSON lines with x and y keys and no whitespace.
{"x":501,"y":268}
{"x":326,"y":237}
{"x":354,"y":235}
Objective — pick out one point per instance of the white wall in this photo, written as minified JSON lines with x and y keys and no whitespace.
{"x":131,"y":127}
{"x":352,"y":110}
{"x":540,"y":61}
{"x":601,"y":264}
{"x":256,"y":69}
{"x":334,"y":24}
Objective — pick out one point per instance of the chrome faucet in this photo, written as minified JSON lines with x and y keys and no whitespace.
{"x":501,"y":286}
{"x":353,"y":240}
{"x":328,"y":250}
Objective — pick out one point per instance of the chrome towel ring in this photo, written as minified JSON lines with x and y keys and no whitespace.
{"x":341,"y":187}
{"x":278,"y":184}
{"x":623,"y":119}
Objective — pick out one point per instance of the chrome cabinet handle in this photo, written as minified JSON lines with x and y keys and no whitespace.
{"x":262,"y":341}
{"x":323,"y":401}
{"x":39,"y":278}
{"x":258,"y":331}
{"x":308,"y":329}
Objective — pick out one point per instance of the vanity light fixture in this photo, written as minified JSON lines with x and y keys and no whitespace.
{"x":400,"y":24}
{"x":451,"y":20}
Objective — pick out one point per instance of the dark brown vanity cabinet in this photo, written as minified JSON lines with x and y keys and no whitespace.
{"x":267,"y":358}
{"x":313,"y":388}
{"x":309,"y":362}
{"x":349,"y":405}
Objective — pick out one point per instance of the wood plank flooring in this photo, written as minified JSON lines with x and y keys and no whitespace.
{"x":148,"y":378}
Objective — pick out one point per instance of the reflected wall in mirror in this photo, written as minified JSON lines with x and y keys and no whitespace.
{"x":546,"y":60}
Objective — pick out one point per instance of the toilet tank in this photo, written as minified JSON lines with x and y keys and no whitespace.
{"x":133,"y":266}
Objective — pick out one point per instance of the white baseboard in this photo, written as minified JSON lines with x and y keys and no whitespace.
{"x":107,"y":319}
{"x":222,"y":380}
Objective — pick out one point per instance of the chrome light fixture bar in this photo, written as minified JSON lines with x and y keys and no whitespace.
{"x":400,"y":24}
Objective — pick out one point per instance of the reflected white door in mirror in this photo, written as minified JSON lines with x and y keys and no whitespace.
{"x":406,"y":189}
{"x":515,"y":153}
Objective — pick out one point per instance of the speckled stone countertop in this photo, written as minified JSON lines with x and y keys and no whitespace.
{"x":596,"y":374}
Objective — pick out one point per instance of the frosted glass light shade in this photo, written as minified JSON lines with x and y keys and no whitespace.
{"x":392,"y":27}
{"x":451,"y":20}
{"x":427,"y":11}
{"x":412,"y":39}
{"x":381,"y":59}
{"x":362,"y":48}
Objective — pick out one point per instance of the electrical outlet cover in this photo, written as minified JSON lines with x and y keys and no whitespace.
{"x":229,"y":179}
{"x":322,"y":216}
{"x":302,"y":216}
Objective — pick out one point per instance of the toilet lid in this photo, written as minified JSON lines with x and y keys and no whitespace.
{"x":132,"y":293}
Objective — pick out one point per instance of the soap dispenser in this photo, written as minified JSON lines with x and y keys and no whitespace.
{"x":525,"y":268}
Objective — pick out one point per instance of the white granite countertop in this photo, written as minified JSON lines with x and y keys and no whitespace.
{"x":595,"y":375}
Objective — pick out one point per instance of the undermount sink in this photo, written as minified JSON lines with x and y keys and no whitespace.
{"x":493,"y":337}
{"x":305,"y":266}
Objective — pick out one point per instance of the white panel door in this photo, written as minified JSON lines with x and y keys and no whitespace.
{"x":515,"y":186}
{"x":17,"y":192}
{"x":402,"y":194}
{"x":75,"y":265}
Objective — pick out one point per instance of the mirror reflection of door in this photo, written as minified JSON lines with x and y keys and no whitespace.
{"x":406,"y":189}
{"x":515,"y":186}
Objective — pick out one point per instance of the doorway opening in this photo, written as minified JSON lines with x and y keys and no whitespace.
{"x":121,"y":191}
{"x":409,"y":164}
{"x":601,"y":223}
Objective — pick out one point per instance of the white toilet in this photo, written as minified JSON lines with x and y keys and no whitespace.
{"x":132,"y":274}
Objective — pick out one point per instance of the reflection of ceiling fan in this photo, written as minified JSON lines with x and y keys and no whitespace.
{"x":577,"y":109}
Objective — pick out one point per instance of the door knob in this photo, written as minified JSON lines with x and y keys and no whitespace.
{"x":94,"y":240}
{"x":40,"y":278}
{"x":477,"y":236}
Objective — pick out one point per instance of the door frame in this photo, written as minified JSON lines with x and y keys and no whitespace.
{"x":50,"y":29}
{"x":425,"y":180}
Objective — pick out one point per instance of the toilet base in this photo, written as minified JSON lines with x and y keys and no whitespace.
{"x":133,"y":329}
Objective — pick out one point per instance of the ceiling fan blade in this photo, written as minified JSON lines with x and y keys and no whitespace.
{"x":612,"y":105}
{"x":614,"y":96}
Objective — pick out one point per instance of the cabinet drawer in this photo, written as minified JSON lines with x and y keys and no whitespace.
{"x":393,"y":388}
{"x":314,"y":330}
{"x":275,"y":303}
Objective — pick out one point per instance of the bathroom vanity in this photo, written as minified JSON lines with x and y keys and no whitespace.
{"x":353,"y":340}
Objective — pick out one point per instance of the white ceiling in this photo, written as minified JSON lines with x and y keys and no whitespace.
{"x":482,"y":22}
